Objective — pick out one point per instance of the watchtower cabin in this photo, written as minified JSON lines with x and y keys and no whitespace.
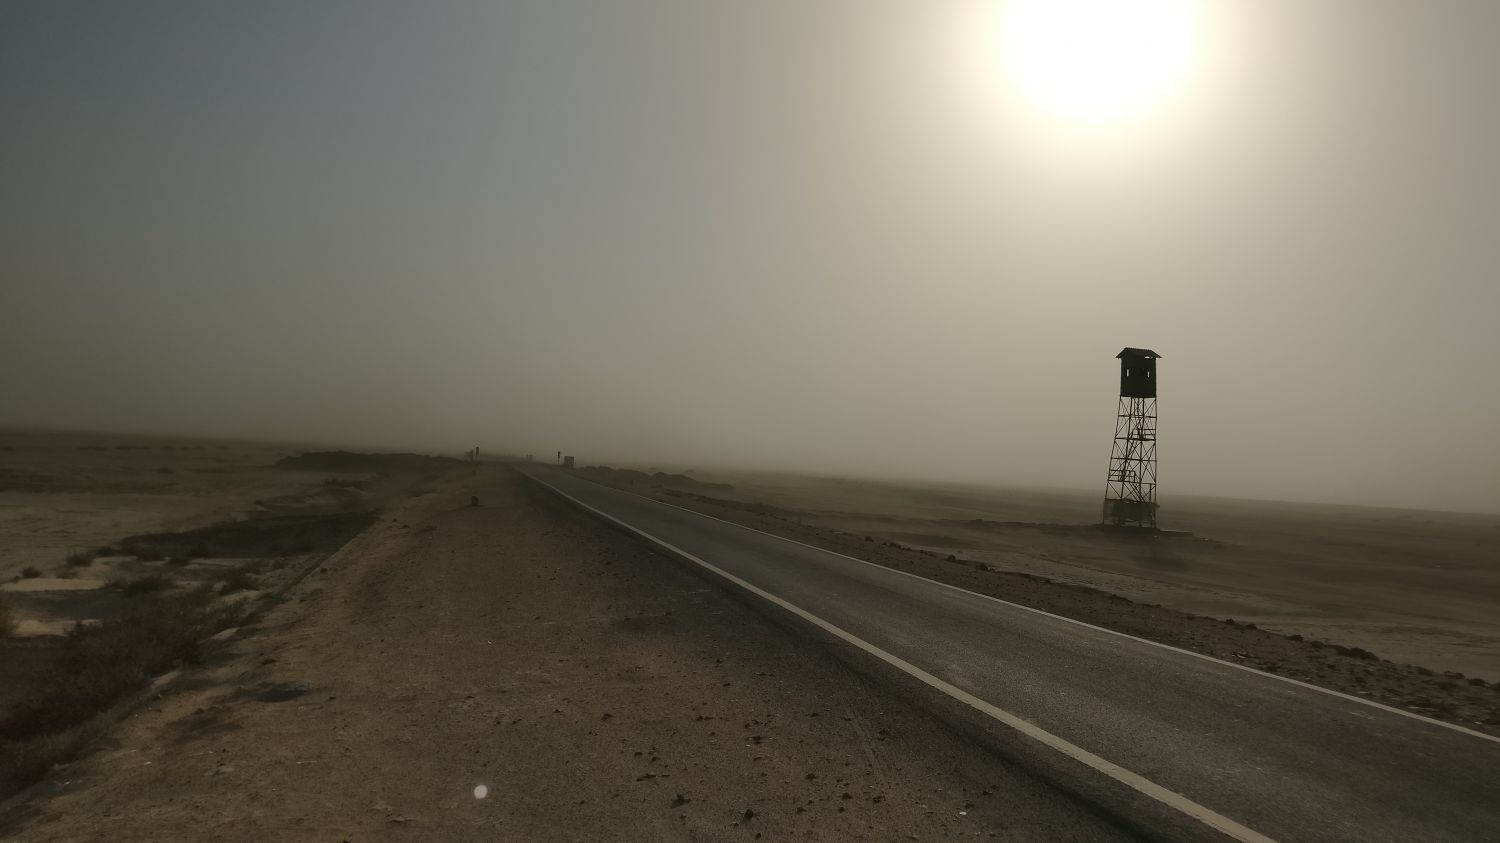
{"x":1130,"y":492}
{"x":1137,"y":373}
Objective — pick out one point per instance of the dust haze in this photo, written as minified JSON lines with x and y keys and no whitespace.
{"x":816,"y":237}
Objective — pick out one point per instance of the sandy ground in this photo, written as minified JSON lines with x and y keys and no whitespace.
{"x":595,"y":689}
{"x":598,"y":690}
{"x":1412,"y":586}
{"x":65,"y":492}
{"x":62,"y":493}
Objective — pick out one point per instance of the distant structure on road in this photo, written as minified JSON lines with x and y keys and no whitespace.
{"x":568,"y":461}
{"x":1130,"y":494}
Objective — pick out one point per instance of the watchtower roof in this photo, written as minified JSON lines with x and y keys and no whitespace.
{"x":1136,"y":352}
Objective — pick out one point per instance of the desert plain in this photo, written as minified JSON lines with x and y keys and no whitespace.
{"x":391,"y":632}
{"x":1413,"y":586}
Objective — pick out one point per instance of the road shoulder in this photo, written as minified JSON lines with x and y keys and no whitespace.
{"x":594,"y":688}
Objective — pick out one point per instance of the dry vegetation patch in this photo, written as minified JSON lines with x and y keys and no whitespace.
{"x":7,"y":617}
{"x":144,"y":584}
{"x":252,"y":538}
{"x":142,"y":605}
{"x":159,"y":623}
{"x":96,"y":666}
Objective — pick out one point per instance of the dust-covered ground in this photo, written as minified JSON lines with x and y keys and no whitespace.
{"x":124,"y":552}
{"x":1411,"y":586}
{"x":517,"y":671}
{"x":1329,"y":662}
{"x":82,"y":516}
{"x":61,"y":493}
{"x":79,"y":511}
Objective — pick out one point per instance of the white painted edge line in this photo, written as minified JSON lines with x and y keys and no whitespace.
{"x":1171,"y":799}
{"x":1320,"y":689}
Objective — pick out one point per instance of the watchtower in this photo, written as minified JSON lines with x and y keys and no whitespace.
{"x":1130,"y":493}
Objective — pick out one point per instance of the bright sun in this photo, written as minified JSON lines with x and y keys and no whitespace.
{"x":1098,"y":61}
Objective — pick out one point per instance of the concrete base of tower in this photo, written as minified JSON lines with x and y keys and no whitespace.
{"x":1130,"y":513}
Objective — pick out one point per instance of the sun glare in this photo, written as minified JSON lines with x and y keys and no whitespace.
{"x":1097,"y":60}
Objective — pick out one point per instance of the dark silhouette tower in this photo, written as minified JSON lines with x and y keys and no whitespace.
{"x":1130,"y":494}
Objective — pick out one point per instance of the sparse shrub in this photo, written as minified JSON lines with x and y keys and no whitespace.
{"x":30,"y":572}
{"x":1355,"y":653}
{"x":199,"y":595}
{"x":100,"y":663}
{"x":141,"y":551}
{"x":179,"y":561}
{"x":26,"y":762}
{"x":951,"y":558}
{"x":238,"y":580}
{"x":7,"y":619}
{"x":81,"y":559}
{"x":144,"y":584}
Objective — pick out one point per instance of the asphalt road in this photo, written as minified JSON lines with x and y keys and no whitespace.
{"x":1233,"y":752}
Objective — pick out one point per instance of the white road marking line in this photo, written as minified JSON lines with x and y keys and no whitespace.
{"x":1170,"y":798}
{"x":1320,"y":689}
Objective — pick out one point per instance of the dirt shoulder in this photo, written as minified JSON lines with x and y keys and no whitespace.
{"x":594,"y":688}
{"x":1452,"y":697}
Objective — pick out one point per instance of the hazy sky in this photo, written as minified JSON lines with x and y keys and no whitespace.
{"x":826,"y":235}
